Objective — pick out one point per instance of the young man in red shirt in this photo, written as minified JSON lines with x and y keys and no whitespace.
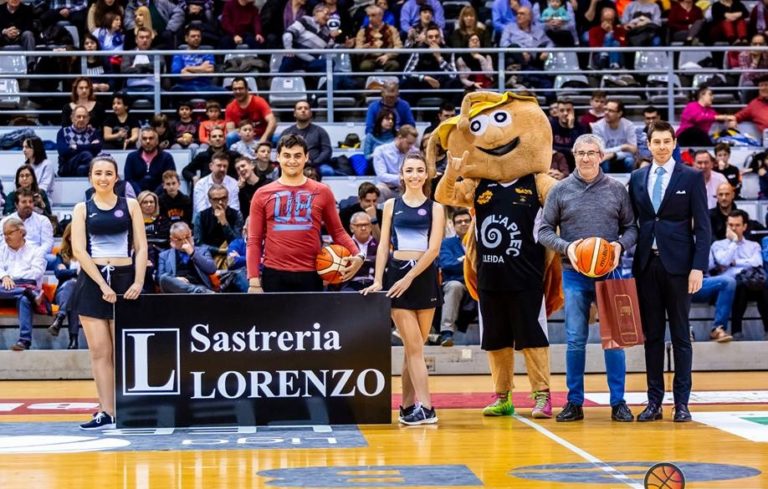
{"x":284,"y":228}
{"x":250,"y":107}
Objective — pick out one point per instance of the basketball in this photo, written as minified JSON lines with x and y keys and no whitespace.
{"x":329,"y":262}
{"x":664,"y":476}
{"x":594,"y":257}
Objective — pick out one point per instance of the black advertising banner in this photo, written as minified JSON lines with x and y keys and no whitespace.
{"x":252,"y":359}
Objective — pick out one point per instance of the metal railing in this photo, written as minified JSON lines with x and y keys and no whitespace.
{"x":674,"y":96}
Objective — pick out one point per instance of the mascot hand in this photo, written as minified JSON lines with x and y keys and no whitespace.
{"x":571,"y":252}
{"x":455,"y":166}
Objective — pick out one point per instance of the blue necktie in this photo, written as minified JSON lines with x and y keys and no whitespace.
{"x":656,"y":194}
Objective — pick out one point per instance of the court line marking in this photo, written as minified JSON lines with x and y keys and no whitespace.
{"x":615,"y":473}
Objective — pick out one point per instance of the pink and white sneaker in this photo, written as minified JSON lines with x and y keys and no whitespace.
{"x":543,"y":407}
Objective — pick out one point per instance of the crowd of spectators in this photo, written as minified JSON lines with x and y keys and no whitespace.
{"x":231,"y":139}
{"x":113,"y":29}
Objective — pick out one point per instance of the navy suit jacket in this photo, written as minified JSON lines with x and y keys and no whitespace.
{"x":142,"y":177}
{"x":202,"y":261}
{"x":681,"y":226}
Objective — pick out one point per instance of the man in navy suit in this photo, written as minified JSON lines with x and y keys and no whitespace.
{"x":670,"y":202}
{"x":185,"y":268}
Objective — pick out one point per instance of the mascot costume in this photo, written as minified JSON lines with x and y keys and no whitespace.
{"x":499,"y":151}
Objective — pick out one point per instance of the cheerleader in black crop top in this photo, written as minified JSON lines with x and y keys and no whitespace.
{"x":413,"y":225}
{"x":109,"y":242}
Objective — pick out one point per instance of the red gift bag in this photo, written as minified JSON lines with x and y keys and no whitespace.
{"x":619,"y":313}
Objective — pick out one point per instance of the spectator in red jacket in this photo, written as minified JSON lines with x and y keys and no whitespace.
{"x":685,"y":21}
{"x":241,"y":23}
{"x":757,"y":110}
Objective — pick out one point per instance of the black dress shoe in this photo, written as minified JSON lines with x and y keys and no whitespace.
{"x":682,"y":415}
{"x":652,"y":412}
{"x":56,"y":325}
{"x":571,"y":412}
{"x":621,"y":412}
{"x":73,"y":344}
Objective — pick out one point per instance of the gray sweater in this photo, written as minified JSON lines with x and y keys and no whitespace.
{"x":581,"y":210}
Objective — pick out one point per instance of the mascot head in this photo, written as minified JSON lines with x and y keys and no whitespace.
{"x":507,"y":136}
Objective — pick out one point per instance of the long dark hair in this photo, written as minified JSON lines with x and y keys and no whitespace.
{"x":38,"y":149}
{"x":34,"y":187}
{"x":427,"y":187}
{"x":91,"y":95}
{"x":100,"y":9}
{"x":66,"y":245}
{"x":378,"y":131}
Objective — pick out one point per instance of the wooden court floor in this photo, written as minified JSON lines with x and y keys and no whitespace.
{"x":728,"y":449}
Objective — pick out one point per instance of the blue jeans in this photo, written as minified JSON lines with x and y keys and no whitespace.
{"x":24,"y":306}
{"x":611,"y":42}
{"x":579,"y":294}
{"x":723,"y":290}
{"x":62,"y":298}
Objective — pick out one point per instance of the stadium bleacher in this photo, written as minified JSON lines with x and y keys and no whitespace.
{"x":666,"y":76}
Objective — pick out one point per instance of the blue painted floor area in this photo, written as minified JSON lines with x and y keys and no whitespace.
{"x":594,"y":473}
{"x":69,"y":438}
{"x":372,"y":476}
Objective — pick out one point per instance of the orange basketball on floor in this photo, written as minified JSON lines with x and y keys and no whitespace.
{"x":664,"y":476}
{"x":329,"y":262}
{"x":594,"y":257}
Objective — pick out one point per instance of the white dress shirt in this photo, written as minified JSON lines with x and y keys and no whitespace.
{"x":363,"y":247}
{"x":200,"y":197}
{"x":387,"y":160}
{"x":28,"y":262}
{"x":669,"y":167}
{"x":736,"y":256}
{"x":39,"y":231}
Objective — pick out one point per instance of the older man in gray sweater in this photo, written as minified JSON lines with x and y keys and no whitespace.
{"x":587,"y":204}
